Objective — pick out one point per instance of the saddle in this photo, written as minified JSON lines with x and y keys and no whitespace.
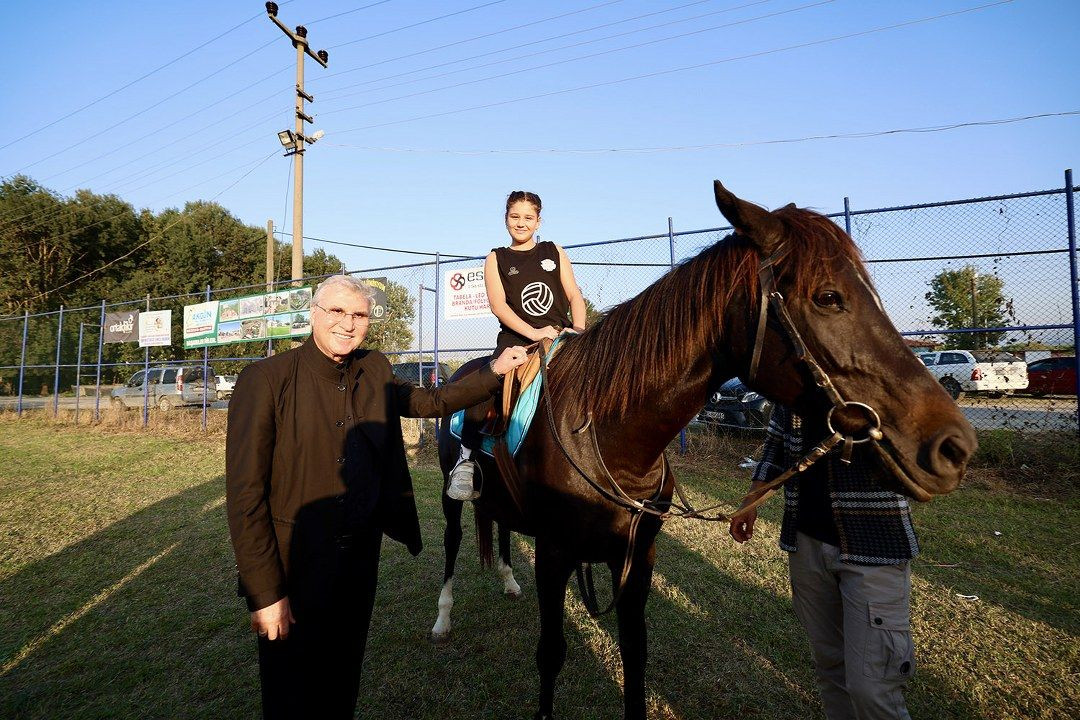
{"x":508,"y":421}
{"x":517,"y":381}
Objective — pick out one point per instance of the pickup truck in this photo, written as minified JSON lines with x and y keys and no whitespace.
{"x":961,"y":371}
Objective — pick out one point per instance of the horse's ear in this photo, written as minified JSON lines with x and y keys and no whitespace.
{"x":752,"y":221}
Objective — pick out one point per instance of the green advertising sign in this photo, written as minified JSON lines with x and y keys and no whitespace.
{"x":275,"y":315}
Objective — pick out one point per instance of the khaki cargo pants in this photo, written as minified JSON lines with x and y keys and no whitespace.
{"x":857,"y":619}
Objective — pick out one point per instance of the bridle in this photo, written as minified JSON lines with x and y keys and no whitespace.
{"x":664,"y":509}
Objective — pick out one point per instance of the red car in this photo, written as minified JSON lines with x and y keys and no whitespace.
{"x":1056,"y":375}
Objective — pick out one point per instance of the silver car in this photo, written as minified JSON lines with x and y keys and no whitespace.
{"x":170,"y":386}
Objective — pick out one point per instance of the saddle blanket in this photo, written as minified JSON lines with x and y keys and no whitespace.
{"x":520,"y":418}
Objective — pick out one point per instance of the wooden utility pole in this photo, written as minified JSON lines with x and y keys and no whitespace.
{"x":294,"y":140}
{"x":269,"y":256}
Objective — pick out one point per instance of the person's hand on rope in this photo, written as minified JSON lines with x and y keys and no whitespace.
{"x":741,"y":527}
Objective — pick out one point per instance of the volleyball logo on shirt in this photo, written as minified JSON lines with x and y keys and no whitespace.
{"x":536,"y":299}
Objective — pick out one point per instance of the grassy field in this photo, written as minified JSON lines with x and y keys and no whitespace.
{"x":117,"y":597}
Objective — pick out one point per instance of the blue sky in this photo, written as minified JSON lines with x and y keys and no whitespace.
{"x":382,"y":177}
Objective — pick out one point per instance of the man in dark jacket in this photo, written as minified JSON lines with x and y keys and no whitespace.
{"x":315,"y":474}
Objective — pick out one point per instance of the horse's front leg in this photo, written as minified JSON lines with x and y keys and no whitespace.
{"x":633,"y":640}
{"x":552,"y":574}
{"x":502,"y":566}
{"x":451,"y":544}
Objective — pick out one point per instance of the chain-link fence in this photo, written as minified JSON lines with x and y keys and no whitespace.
{"x":984,"y":289}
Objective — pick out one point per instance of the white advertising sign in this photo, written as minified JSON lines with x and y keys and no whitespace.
{"x":464,"y":294}
{"x":155,"y":328}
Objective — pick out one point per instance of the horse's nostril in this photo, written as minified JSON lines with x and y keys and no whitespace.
{"x":954,"y":449}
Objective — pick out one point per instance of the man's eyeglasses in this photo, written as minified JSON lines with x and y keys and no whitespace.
{"x":337,"y":314}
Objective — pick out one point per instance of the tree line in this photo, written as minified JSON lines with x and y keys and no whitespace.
{"x":76,"y":251}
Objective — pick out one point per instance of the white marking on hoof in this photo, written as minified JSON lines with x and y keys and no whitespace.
{"x":510,"y":587}
{"x":440,"y":633}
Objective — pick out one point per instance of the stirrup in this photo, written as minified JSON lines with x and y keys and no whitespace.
{"x":461,"y":485}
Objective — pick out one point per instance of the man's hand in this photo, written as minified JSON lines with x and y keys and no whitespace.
{"x":510,"y":358}
{"x":741,"y":529}
{"x":273,"y":621}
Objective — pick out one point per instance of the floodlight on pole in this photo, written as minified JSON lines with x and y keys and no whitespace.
{"x":288,"y":140}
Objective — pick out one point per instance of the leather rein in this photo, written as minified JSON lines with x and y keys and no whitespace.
{"x":683,"y":508}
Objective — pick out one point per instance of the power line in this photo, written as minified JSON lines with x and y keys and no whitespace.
{"x":376,"y":247}
{"x":474,"y":38}
{"x":714,"y":146}
{"x":579,"y":57}
{"x":511,"y":47}
{"x":41,"y":217}
{"x":671,"y":71}
{"x":347,"y":12}
{"x":114,"y":125}
{"x":133,"y":82}
{"x":417,"y":24}
{"x":147,"y":241}
{"x":207,"y":107}
{"x":122,"y":214}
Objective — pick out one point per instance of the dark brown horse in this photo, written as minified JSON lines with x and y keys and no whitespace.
{"x":620,"y":392}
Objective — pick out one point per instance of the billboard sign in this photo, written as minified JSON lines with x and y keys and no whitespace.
{"x":155,"y":328}
{"x":121,"y":327}
{"x":464,"y":294}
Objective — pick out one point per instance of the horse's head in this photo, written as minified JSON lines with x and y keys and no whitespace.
{"x":835,"y":311}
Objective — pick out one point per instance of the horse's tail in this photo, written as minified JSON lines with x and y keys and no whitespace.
{"x":484,"y":541}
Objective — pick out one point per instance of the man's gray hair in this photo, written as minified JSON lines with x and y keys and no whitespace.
{"x":347,"y":282}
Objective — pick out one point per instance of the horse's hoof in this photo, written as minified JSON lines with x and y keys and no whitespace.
{"x":543,"y":716}
{"x":440,"y":639}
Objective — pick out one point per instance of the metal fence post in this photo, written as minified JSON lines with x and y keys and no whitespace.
{"x":438,"y":298}
{"x":78,"y":373}
{"x":1074,"y":278}
{"x":671,"y":257}
{"x":56,"y":373}
{"x":206,"y":371}
{"x":97,"y":380}
{"x":847,"y":215}
{"x":435,"y":349}
{"x":146,"y":378}
{"x":22,"y":358}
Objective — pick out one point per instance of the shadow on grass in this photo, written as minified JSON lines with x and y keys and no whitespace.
{"x":742,"y":653}
{"x":138,"y":620}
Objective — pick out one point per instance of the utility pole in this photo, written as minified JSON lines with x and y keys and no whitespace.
{"x":294,"y":140}
{"x":269,"y":256}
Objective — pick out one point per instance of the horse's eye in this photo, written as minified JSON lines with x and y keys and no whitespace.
{"x":828,"y":299}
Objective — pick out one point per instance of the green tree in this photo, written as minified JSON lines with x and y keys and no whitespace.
{"x":591,"y":313}
{"x":965,"y":298}
{"x":394,"y":332}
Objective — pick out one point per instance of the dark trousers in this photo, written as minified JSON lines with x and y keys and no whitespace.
{"x":315,"y":672}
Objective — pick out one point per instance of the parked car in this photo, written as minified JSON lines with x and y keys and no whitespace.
{"x":1052,"y":376}
{"x":170,"y":386}
{"x":224,"y":386}
{"x":960,"y":371}
{"x":736,"y":406}
{"x":412,"y":372}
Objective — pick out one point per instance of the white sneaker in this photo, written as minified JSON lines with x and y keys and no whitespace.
{"x":461,"y":481}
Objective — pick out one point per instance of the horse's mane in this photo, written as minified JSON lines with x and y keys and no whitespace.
{"x":639,"y":346}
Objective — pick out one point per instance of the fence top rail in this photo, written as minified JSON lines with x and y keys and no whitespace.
{"x":946,"y":203}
